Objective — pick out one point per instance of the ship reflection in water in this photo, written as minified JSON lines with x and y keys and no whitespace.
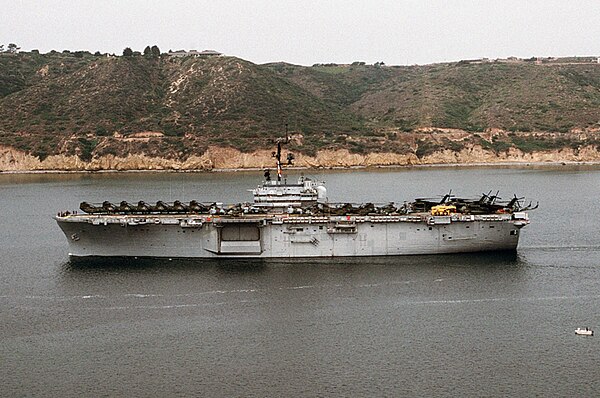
{"x":506,"y":258}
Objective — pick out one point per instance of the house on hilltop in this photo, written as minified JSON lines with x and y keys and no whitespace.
{"x":210,"y":53}
{"x":178,"y":53}
{"x":194,"y":53}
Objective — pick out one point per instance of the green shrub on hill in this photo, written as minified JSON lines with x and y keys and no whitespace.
{"x":229,"y":101}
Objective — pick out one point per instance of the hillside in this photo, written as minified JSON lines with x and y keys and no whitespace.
{"x":93,"y":106}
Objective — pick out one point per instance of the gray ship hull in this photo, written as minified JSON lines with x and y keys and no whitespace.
{"x":282,"y":236}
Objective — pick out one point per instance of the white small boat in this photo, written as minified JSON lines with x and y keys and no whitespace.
{"x":584,"y":332}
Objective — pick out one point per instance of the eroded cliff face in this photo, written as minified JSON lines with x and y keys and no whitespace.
{"x":216,"y":158}
{"x":477,"y":154}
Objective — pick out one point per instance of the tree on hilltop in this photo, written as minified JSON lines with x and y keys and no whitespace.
{"x":127,"y":52}
{"x":12,"y":48}
{"x":152,"y":52}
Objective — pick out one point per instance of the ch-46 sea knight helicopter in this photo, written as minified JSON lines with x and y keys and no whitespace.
{"x":486,"y":204}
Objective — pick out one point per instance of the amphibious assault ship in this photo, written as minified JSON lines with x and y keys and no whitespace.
{"x":293,"y":220}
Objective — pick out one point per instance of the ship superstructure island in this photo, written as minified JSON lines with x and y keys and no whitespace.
{"x":293,"y":220}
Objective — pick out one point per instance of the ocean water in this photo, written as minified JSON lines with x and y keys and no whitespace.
{"x":447,"y":325}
